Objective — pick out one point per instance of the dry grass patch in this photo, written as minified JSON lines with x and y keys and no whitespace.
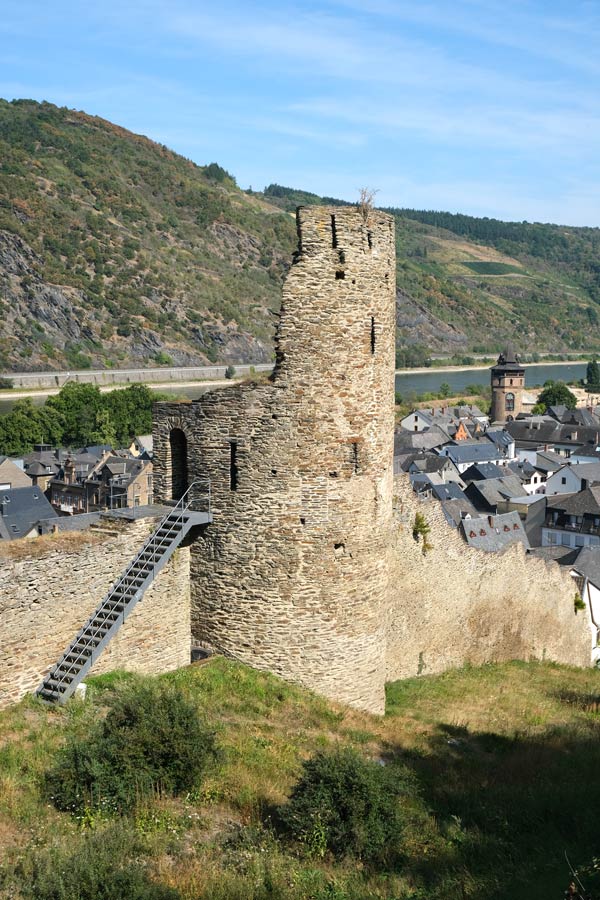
{"x":44,"y":545}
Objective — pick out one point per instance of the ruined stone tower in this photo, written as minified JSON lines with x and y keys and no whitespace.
{"x":292,"y":574}
{"x":508,"y":383}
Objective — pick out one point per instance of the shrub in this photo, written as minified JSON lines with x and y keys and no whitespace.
{"x":152,"y":740}
{"x":103,"y":866}
{"x":421,"y":530}
{"x":229,"y":371}
{"x":346,"y":805}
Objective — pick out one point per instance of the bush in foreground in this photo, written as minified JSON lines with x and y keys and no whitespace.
{"x":151,"y":741}
{"x":104,"y":865}
{"x":346,"y":805}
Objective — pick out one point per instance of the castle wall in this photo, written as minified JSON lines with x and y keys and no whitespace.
{"x":47,"y":596}
{"x":291,"y":576}
{"x":457,"y":605}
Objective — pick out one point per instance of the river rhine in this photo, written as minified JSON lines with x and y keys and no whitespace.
{"x":407,"y":384}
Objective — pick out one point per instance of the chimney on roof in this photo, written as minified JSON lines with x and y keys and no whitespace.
{"x":69,"y":471}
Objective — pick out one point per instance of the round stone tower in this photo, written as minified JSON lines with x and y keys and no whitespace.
{"x":292,"y":574}
{"x":508,"y":383}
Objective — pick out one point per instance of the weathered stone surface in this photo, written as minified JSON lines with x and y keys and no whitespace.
{"x":304,"y":571}
{"x":458,"y":605}
{"x":44,"y":601}
{"x":292,"y":576}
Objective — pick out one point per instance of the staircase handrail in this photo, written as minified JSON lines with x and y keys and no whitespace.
{"x":179,"y":509}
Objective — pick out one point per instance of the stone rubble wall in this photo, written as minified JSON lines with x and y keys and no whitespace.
{"x":45,"y":599}
{"x":291,"y":576}
{"x":457,"y":605}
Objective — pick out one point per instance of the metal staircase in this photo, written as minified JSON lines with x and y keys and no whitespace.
{"x":124,"y":595}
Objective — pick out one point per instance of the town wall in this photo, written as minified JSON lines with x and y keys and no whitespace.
{"x":455,"y":604}
{"x":47,"y":595}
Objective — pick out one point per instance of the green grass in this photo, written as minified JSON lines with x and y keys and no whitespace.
{"x":503,"y":760}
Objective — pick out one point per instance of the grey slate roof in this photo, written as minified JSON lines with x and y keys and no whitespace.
{"x":582,"y":503}
{"x":565,"y":556}
{"x":20,"y":511}
{"x":449,"y":491}
{"x":465,"y":452}
{"x":480,"y":471}
{"x":548,"y":461}
{"x":430,"y":463}
{"x":538,"y":430}
{"x":491,"y":491}
{"x":420,"y":440}
{"x":588,"y":564}
{"x":455,"y":510}
{"x":494,"y":533}
{"x":522,"y":469}
{"x":500,"y":437}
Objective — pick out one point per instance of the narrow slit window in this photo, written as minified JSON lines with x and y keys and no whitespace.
{"x":233,"y":466}
{"x":339,"y":275}
{"x":333,"y":233}
{"x":355,"y":464}
{"x":372,"y":334}
{"x":370,"y":240}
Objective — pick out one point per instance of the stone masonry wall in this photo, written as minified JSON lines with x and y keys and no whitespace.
{"x":291,"y":576}
{"x":45,"y":599}
{"x":458,"y":605}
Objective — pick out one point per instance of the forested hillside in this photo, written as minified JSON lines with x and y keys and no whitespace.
{"x":468,"y":284}
{"x":115,"y":251}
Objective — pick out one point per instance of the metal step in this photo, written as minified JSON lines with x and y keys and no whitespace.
{"x":123,"y":596}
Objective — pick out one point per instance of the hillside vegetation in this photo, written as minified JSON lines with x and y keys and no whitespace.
{"x":115,"y":251}
{"x":469,"y":285}
{"x":488,"y":776}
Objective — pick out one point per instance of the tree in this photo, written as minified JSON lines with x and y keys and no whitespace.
{"x":444,"y":390}
{"x":556,"y":393}
{"x":79,"y":405}
{"x":27,"y":425}
{"x":592,"y":376}
{"x":230,"y":371}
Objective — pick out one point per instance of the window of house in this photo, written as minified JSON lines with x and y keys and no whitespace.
{"x":565,"y":540}
{"x":579,"y":540}
{"x":563,"y":480}
{"x":552,"y":538}
{"x":509,"y":402}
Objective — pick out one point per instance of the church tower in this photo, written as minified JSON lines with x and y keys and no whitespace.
{"x":508,"y":384}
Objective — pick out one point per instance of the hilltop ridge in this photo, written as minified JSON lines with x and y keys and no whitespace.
{"x":116,"y":251}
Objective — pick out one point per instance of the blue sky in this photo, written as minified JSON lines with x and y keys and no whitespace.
{"x":478,"y":106}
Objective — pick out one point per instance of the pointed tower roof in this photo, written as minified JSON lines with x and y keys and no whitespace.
{"x":509,"y":359}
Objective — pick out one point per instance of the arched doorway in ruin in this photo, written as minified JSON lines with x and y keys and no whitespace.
{"x":179,"y":469}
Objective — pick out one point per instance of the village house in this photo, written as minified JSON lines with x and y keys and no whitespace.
{"x":12,"y":475}
{"x":21,"y":509}
{"x":494,"y":533}
{"x":571,"y":478}
{"x":573,"y":520}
